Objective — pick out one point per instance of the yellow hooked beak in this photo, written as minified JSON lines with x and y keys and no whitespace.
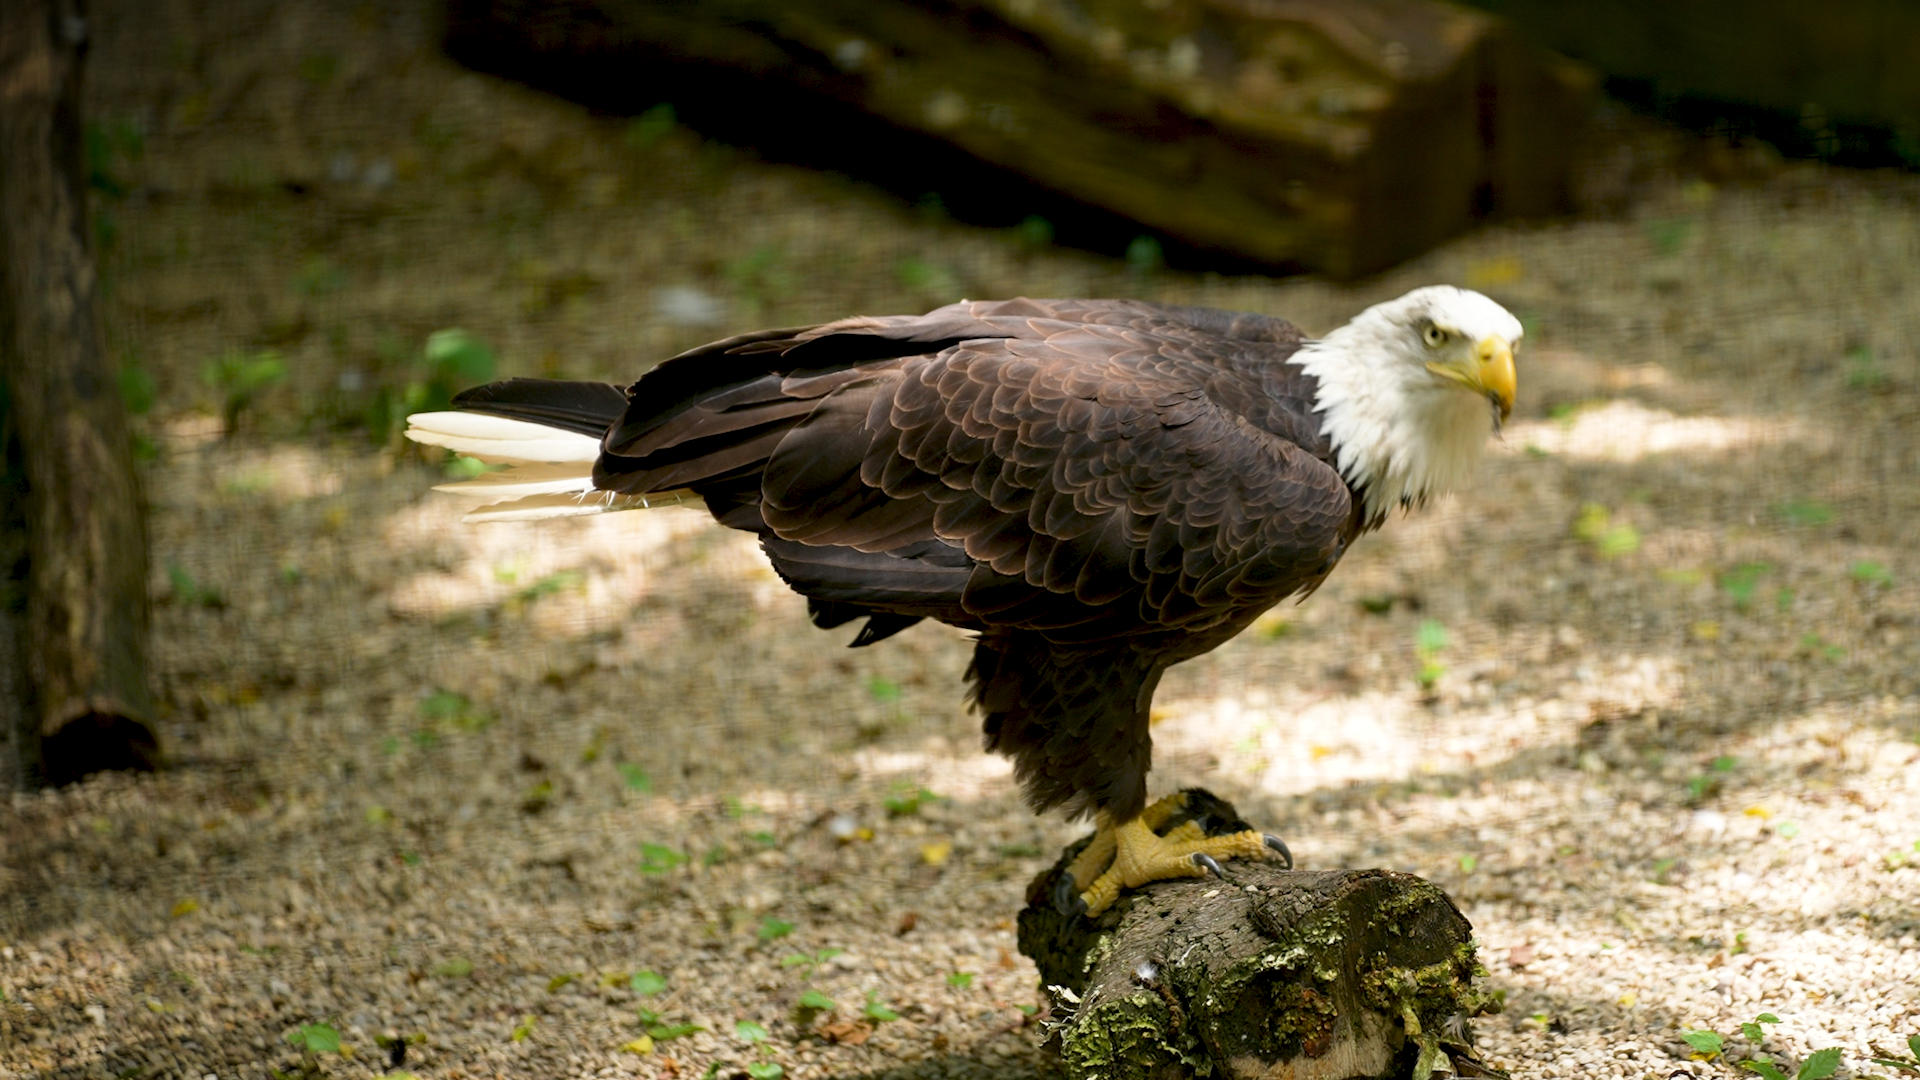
{"x":1488,"y":371}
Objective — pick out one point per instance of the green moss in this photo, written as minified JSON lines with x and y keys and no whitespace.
{"x":1132,"y":1038}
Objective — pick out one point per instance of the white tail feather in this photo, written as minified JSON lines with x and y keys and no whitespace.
{"x":573,"y":504}
{"x":520,"y":480}
{"x":549,"y":471}
{"x":498,"y":440}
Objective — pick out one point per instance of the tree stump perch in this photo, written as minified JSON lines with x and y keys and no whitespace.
{"x":1270,"y":973}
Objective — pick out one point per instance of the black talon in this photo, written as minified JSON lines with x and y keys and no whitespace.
{"x":1201,"y":858}
{"x":1066,"y":897}
{"x":1280,"y":846}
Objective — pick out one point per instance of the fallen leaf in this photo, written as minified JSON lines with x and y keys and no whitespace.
{"x":936,"y":853}
{"x":1520,"y":956}
{"x":1504,"y":270}
{"x":641,"y":1045}
{"x":847,"y":1032}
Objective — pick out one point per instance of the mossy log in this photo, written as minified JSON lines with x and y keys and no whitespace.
{"x":1271,"y":974}
{"x":1339,"y":135}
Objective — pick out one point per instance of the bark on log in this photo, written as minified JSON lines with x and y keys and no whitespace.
{"x":1270,"y":974}
{"x":86,"y":617}
{"x":1341,"y":135}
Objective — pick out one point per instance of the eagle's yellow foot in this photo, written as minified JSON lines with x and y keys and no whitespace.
{"x":1132,"y":854}
{"x":1094,"y":859}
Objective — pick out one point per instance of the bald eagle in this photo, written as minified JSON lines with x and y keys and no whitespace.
{"x":1098,"y":489}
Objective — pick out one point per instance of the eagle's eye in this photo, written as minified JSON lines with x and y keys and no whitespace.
{"x":1435,"y":337}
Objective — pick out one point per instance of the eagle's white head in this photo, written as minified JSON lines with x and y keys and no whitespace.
{"x":1411,"y":389}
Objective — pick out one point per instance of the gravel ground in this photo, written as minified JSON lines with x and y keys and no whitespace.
{"x":1644,"y":700}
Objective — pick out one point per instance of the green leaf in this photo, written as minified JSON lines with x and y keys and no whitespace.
{"x":554,"y":984}
{"x":458,"y":968}
{"x":883,"y":689}
{"x":551,"y":584}
{"x":1144,"y":255}
{"x":749,"y":1032}
{"x":1668,"y":235}
{"x":1804,"y":512}
{"x":772,"y":929}
{"x":663,"y":1032}
{"x":1618,"y":540}
{"x":765,"y":1070}
{"x":1431,"y":637}
{"x":1913,"y":1041}
{"x":1035,"y":232}
{"x":137,"y":389}
{"x":1754,"y":1033}
{"x":906,"y":800}
{"x":650,"y":127}
{"x":636,"y":778}
{"x":463,"y":467}
{"x":960,"y":980}
{"x":1741,"y":581}
{"x":1766,"y":1018}
{"x":877,"y":1009}
{"x":315,"y":1038}
{"x":454,"y":353}
{"x":443,"y":705}
{"x":1868,"y":572}
{"x":658,"y":858}
{"x":814,"y":999}
{"x":1820,"y":1064}
{"x":1765,"y":1068}
{"x":1706,"y":1042}
{"x":646,"y":983}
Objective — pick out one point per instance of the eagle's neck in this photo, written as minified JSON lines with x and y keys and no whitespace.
{"x":1399,"y":435}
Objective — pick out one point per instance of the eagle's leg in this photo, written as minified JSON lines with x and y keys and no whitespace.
{"x":1130,"y":854}
{"x":1094,"y":859}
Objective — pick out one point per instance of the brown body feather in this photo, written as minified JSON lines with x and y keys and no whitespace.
{"x":1099,"y":488}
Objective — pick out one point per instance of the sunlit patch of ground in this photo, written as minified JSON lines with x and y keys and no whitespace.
{"x":602,"y":564}
{"x":1293,"y":742}
{"x":1626,"y":431}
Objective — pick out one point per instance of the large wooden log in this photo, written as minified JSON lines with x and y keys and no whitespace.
{"x":86,"y":616}
{"x":1269,"y":974}
{"x":1341,"y":135}
{"x":1853,"y":62}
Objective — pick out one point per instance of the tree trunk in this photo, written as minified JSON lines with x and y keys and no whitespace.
{"x":84,"y":628}
{"x":1269,"y":974}
{"x":15,"y":727}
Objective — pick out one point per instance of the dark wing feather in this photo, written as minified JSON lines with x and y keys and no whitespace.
{"x":1093,"y":466}
{"x":587,"y":408}
{"x":1102,"y":488}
